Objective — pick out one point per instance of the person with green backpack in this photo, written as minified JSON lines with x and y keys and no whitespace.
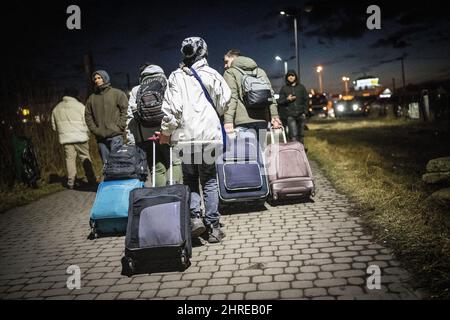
{"x":252,"y":104}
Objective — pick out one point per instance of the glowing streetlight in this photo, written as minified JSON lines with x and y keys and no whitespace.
{"x":346,"y":80}
{"x":319,"y":72}
{"x":278,"y":58}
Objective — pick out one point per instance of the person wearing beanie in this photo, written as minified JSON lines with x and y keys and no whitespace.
{"x":293,"y":106}
{"x":68,"y":120}
{"x":192,"y":115}
{"x":138,"y":134}
{"x":106,"y":114}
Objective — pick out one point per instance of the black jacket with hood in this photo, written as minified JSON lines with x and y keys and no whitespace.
{"x":297,"y":107}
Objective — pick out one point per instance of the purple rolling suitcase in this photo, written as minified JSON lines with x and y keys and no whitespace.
{"x":289,"y":171}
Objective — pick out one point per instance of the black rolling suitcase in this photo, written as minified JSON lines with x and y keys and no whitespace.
{"x":158,"y":235}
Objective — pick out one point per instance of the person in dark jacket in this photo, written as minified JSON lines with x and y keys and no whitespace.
{"x":293,"y":106}
{"x":106,"y":114}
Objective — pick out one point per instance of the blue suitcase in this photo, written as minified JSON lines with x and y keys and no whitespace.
{"x":241,"y":172}
{"x":109,"y":214}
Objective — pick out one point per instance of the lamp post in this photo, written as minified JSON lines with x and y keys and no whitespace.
{"x":296,"y":14}
{"x":346,"y":80}
{"x":278,"y":58}
{"x":319,"y":72}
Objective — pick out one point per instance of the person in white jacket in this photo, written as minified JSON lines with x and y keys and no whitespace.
{"x":190,"y":116}
{"x":68,"y":120}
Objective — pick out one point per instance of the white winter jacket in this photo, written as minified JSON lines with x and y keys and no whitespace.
{"x":188,"y":114}
{"x":68,"y":121}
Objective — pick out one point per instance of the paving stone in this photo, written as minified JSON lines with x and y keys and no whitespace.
{"x":262,"y":295}
{"x":345,"y":291}
{"x":286,"y":252}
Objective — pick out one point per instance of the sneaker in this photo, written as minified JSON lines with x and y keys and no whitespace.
{"x":216,"y":235}
{"x":197,"y":227}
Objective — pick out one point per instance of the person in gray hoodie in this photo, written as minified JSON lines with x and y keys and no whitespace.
{"x":106,"y":114}
{"x":138,"y":133}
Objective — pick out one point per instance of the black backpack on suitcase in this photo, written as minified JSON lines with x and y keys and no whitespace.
{"x":158,"y":233}
{"x":126,"y":162}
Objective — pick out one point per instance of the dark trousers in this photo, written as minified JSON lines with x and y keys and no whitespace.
{"x":296,"y":127}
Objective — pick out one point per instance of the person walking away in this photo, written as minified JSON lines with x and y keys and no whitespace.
{"x":191,"y":116}
{"x":239,"y":114}
{"x":144,"y":120}
{"x":68,"y":119}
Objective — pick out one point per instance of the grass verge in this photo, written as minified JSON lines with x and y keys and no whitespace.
{"x":379,"y":165}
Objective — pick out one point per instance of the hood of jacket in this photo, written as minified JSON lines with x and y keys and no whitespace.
{"x":152,"y":69}
{"x":289,"y":73}
{"x":244,"y":63}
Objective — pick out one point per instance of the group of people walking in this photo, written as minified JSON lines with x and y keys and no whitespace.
{"x":197,"y":104}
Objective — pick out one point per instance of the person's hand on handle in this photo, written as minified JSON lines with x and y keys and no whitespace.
{"x":276,"y":123}
{"x":163,"y":139}
{"x":229,"y":128}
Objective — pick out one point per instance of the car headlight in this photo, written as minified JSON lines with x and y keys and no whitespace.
{"x":355,"y":107}
{"x":340,"y":107}
{"x":324,"y":108}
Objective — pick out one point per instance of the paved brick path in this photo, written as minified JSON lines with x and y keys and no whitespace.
{"x":297,"y":251}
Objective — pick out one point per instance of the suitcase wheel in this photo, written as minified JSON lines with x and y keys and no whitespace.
{"x":128,"y":266}
{"x":275,"y":196}
{"x":94,"y":234}
{"x":185,"y":262}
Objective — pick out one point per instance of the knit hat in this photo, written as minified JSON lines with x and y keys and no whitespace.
{"x":194,"y":48}
{"x":104,"y":75}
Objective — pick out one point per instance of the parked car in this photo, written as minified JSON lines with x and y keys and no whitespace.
{"x":318,"y":105}
{"x":352,"y":107}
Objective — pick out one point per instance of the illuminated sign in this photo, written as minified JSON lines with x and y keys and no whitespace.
{"x":367,"y":83}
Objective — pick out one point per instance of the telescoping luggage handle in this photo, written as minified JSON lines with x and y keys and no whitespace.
{"x":154,"y":139}
{"x":272,"y":136}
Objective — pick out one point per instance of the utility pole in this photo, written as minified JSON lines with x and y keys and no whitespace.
{"x":296,"y":48}
{"x":403,"y":73}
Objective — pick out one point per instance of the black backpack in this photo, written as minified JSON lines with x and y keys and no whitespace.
{"x":126,"y":162}
{"x":149,"y":101}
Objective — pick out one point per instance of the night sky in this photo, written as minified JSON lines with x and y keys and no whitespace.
{"x":123,"y":34}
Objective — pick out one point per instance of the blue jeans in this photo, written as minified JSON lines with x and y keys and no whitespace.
{"x":259,"y":129}
{"x":106,"y":145}
{"x":207,"y":175}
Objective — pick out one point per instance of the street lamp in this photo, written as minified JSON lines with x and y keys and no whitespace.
{"x":319,"y":72}
{"x":296,"y":14}
{"x":278,"y":58}
{"x":346,"y":80}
